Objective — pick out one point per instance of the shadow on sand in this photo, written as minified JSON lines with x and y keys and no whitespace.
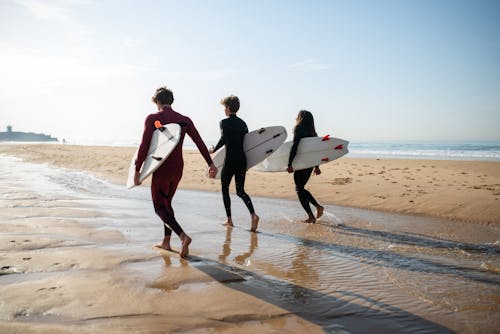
{"x":333,"y":314}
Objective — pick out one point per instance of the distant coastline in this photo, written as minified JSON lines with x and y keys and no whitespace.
{"x":18,"y":136}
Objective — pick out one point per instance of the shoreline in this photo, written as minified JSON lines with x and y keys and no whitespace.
{"x":461,"y":190}
{"x":77,"y":256}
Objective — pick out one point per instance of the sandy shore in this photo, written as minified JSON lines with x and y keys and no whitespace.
{"x":76,"y":255}
{"x":458,"y":190}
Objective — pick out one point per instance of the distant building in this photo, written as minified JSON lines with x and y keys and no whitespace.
{"x":10,"y":135}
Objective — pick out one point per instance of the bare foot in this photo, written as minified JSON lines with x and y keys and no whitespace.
{"x":186,"y":240}
{"x":320,"y":211}
{"x":228,"y":222}
{"x":310,"y":220}
{"x":255,"y":222}
{"x":163,"y":246}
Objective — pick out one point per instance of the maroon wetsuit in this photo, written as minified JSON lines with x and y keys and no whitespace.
{"x":167,"y":176}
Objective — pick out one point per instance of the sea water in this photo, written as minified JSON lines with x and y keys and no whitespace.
{"x":488,"y":151}
{"x":433,"y":150}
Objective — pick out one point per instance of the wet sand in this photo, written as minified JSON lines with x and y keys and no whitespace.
{"x":458,"y":190}
{"x":76,"y":255}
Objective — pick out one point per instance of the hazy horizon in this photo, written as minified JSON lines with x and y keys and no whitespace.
{"x":368,"y":71}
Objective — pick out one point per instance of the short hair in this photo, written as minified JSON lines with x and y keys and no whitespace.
{"x":232,"y":102}
{"x":163,"y":95}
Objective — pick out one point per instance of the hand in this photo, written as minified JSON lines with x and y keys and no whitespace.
{"x":136,"y":178}
{"x":289,"y":169}
{"x":212,"y":171}
{"x":317,"y":171}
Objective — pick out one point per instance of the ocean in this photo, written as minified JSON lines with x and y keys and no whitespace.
{"x":488,"y":151}
{"x":434,"y":150}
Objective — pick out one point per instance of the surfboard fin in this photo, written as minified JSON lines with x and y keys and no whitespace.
{"x":269,"y":151}
{"x":261,"y":130}
{"x":162,"y":129}
{"x":339,"y":147}
{"x":325,"y":159}
{"x":327,"y":137}
{"x":156,"y":158}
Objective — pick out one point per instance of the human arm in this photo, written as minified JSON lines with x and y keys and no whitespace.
{"x":143,"y":147}
{"x":293,"y":150}
{"x":195,"y":136}
{"x":221,"y":141}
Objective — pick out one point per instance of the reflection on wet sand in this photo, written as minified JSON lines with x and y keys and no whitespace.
{"x":241,"y":258}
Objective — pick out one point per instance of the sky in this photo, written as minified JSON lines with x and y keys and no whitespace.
{"x":85,"y":70}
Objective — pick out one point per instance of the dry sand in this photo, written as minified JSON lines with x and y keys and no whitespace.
{"x":457,"y":190}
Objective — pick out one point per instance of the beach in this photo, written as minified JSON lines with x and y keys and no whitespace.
{"x":404,"y":246}
{"x":458,"y":190}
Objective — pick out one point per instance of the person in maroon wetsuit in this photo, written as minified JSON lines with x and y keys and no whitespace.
{"x":167,"y":176}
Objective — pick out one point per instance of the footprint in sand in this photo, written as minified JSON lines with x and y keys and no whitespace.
{"x":341,"y":180}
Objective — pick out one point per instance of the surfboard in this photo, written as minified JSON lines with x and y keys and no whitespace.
{"x":163,"y":142}
{"x":312,"y":151}
{"x":258,"y":145}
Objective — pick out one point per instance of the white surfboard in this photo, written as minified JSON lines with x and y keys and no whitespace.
{"x":258,"y":145}
{"x":312,"y":151}
{"x":163,"y":142}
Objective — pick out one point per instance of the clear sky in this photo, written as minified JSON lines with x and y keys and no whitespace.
{"x":367,"y":70}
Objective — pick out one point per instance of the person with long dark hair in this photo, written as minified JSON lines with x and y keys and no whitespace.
{"x":304,"y":127}
{"x":233,"y":131}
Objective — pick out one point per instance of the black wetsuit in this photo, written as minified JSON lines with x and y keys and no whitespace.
{"x":233,"y":131}
{"x":302,"y":176}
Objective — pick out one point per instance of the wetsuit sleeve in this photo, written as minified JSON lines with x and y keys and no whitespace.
{"x":195,"y":136}
{"x":222,"y":140}
{"x":293,"y":151}
{"x":146,"y":140}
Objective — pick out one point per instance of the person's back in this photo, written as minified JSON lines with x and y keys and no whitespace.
{"x":234,"y":130}
{"x":175,"y":162}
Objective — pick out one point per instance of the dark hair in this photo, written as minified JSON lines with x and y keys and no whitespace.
{"x":232,"y":102}
{"x":163,"y":95}
{"x":305,"y":122}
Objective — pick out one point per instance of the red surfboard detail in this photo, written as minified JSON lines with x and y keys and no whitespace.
{"x":339,"y":147}
{"x":327,"y":137}
{"x":324,"y":159}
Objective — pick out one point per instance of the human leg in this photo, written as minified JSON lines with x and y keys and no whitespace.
{"x":301,"y":177}
{"x":226,"y":176}
{"x":163,"y":191}
{"x":239,"y":178}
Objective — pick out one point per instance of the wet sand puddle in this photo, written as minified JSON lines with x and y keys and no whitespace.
{"x":353,"y":271}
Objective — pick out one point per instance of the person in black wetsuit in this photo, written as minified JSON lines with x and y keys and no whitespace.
{"x":304,"y":127}
{"x":233,"y":131}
